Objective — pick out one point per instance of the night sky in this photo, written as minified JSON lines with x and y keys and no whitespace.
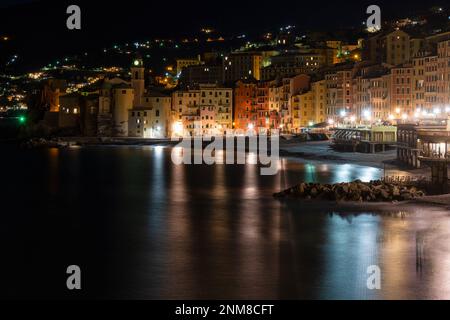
{"x":40,"y":26}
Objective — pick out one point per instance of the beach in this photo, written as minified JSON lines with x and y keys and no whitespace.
{"x":321,"y":152}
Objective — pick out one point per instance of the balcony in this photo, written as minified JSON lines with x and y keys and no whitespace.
{"x":437,"y":156}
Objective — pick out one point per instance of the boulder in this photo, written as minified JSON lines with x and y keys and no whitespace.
{"x":354,"y":191}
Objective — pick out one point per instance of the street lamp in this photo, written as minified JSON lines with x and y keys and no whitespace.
{"x":367,"y":115}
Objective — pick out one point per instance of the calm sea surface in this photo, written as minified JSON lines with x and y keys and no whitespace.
{"x":142,"y":227}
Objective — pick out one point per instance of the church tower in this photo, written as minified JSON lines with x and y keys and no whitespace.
{"x":137,"y":80}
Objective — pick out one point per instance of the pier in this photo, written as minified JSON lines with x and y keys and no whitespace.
{"x":365,"y":139}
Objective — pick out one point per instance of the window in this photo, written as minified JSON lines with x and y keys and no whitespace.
{"x":157,"y":113}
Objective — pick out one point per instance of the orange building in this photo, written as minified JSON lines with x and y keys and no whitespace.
{"x":245,"y":105}
{"x":251,"y":101}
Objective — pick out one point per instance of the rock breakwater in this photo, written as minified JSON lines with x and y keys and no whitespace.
{"x":373,"y":191}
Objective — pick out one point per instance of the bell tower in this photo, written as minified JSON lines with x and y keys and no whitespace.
{"x":137,"y":80}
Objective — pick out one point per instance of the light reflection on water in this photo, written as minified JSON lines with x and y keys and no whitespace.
{"x":150,"y":229}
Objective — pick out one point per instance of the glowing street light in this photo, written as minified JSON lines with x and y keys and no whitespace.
{"x":177,"y":127}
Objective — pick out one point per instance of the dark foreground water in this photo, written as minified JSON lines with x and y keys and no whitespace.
{"x":141,"y":227}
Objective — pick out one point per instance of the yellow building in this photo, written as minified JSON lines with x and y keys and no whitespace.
{"x":309,"y":107}
{"x":320,"y":100}
{"x":397,"y":46}
{"x":303,"y":111}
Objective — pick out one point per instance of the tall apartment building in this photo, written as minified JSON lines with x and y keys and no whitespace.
{"x":371,"y":98}
{"x":245,"y":105}
{"x":308,"y":107}
{"x":443,"y":52}
{"x":195,"y":108}
{"x":319,"y":90}
{"x":291,"y":64}
{"x":418,"y":85}
{"x":241,"y":66}
{"x":339,"y":87}
{"x":397,"y":47}
{"x":393,"y":48}
{"x":402,"y":91}
{"x":251,"y":107}
{"x":432,"y":96}
{"x":267,"y":118}
{"x":303,"y":111}
{"x":195,"y":75}
{"x":280,"y":93}
{"x":380,"y":97}
{"x":361,"y":108}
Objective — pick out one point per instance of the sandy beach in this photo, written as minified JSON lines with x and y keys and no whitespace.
{"x":321,"y":152}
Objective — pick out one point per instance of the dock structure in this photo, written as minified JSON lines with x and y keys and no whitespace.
{"x":422,"y":140}
{"x":426,"y":143}
{"x":365,"y":139}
